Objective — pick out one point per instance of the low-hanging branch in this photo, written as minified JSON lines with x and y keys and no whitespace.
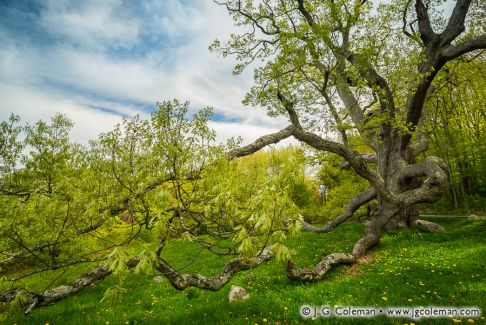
{"x":180,"y":281}
{"x":354,"y":204}
{"x":319,"y":271}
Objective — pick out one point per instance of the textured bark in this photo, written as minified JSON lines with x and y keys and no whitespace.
{"x":386,"y":211}
{"x":178,"y":280}
{"x":428,"y":226}
{"x":261,"y":142}
{"x":48,"y":297}
{"x":371,"y":237}
{"x":369,"y":158}
{"x":356,"y":202}
{"x":399,"y":182}
{"x":405,"y":218}
{"x":181,"y":281}
{"x":319,"y":271}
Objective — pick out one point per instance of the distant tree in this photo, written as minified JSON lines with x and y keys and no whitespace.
{"x":457,"y":128}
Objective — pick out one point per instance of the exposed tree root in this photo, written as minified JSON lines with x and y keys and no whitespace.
{"x":428,"y":226}
{"x":371,"y":238}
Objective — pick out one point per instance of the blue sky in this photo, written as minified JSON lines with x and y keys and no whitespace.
{"x":97,"y":61}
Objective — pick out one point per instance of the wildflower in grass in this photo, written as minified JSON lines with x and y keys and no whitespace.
{"x":264,"y":320}
{"x":470,"y":321}
{"x":456,"y":321}
{"x":384,"y":298}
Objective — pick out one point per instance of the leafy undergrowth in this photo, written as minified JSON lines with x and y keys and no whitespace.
{"x":408,"y":268}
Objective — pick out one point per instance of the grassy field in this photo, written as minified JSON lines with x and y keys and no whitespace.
{"x":408,"y":268}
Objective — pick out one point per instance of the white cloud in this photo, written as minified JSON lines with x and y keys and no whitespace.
{"x":33,"y":105}
{"x":36,"y":82}
{"x":90,"y":22}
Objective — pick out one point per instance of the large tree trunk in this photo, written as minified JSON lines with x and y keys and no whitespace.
{"x":372,"y":236}
{"x":406,"y":218}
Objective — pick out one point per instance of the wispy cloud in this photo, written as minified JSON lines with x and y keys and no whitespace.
{"x":98,"y":61}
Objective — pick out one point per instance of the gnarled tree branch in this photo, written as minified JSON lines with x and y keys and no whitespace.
{"x":356,"y":202}
{"x":181,"y":281}
{"x":262,"y":142}
{"x":319,"y":271}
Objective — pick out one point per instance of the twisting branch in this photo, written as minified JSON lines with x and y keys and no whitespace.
{"x":439,"y":51}
{"x":262,"y":142}
{"x":346,"y":95}
{"x":454,"y":51}
{"x":333,"y":109}
{"x":41,"y":299}
{"x":289,"y":107}
{"x":404,"y":20}
{"x":354,"y":204}
{"x":320,"y":270}
{"x":305,"y":12}
{"x":455,"y":25}
{"x":181,"y":281}
{"x":368,"y":157}
{"x":355,"y":160}
{"x":255,"y":21}
{"x":373,"y":78}
{"x":434,"y":169}
{"x":426,"y":32}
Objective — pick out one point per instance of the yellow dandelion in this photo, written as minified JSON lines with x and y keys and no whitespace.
{"x":470,"y":321}
{"x":456,"y":321}
{"x":264,"y":320}
{"x":384,"y":298}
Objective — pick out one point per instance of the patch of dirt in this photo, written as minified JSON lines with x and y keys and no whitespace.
{"x":355,"y":268}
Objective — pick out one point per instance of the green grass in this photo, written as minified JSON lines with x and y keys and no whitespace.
{"x":407,"y":268}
